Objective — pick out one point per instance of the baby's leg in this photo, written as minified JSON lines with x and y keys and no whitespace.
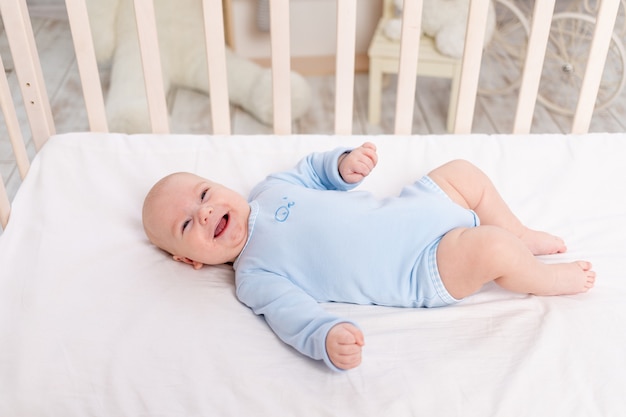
{"x":469,"y":258}
{"x":468,"y":186}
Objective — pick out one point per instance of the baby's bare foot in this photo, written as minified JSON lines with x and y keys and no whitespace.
{"x":570,"y":278}
{"x":542,"y":243}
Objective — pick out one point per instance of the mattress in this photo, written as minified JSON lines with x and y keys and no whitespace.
{"x":95,"y":321}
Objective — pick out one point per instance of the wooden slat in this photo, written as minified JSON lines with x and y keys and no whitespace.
{"x":407,"y":70}
{"x":151,"y":61}
{"x":28,"y":68}
{"x":537,"y":43}
{"x":13,"y":125}
{"x":605,"y":22}
{"x":216,"y":58}
{"x":470,"y":67}
{"x":5,"y":204}
{"x":344,"y":73}
{"x":87,"y":64}
{"x":281,"y":66}
{"x":229,"y":30}
{"x":15,"y":135}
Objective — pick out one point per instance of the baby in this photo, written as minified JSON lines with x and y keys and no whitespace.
{"x":301,"y":239}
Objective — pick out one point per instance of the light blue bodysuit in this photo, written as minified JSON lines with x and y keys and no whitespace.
{"x":311,"y":241}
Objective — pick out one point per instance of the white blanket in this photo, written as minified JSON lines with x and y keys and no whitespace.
{"x":94,"y":321}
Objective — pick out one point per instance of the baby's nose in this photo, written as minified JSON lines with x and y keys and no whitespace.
{"x":204,"y":212}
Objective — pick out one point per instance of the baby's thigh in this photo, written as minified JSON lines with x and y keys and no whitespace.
{"x":467,"y":259}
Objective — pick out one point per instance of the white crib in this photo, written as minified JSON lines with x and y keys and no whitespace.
{"x":96,"y":321}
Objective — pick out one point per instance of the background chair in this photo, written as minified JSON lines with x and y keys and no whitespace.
{"x":384,"y":56}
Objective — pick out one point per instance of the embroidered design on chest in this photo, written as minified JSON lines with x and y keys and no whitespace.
{"x":282,"y":212}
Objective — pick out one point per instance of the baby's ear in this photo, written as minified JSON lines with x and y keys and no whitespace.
{"x":195,"y":264}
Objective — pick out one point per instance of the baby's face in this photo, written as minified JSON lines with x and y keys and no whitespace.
{"x":198,"y":221}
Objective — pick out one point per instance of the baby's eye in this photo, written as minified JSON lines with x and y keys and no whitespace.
{"x":203,"y":194}
{"x":185,"y":224}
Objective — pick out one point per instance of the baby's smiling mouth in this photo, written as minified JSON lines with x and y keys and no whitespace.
{"x":221,"y":226}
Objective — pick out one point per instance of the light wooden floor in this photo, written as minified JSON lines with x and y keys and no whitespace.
{"x":190,"y":109}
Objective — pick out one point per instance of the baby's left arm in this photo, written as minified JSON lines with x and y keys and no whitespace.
{"x":343,"y":345}
{"x":357,"y":164}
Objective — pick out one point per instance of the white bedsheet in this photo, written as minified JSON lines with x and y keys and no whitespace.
{"x":94,"y":321}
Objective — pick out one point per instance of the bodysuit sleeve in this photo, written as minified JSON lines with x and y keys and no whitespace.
{"x":317,"y":170}
{"x":295,"y":317}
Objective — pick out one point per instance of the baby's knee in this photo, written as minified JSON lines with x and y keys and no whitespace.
{"x":497,"y":246}
{"x":453,"y":170}
{"x":483,"y":242}
{"x":463,"y":166}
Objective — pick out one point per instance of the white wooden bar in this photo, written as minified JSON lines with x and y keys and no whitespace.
{"x":344,"y":73}
{"x":409,"y":51}
{"x":5,"y":205}
{"x":281,"y":65}
{"x":151,"y":61}
{"x":12,"y":124}
{"x":605,"y":22}
{"x":17,"y":143}
{"x":28,"y":68}
{"x":216,"y":60}
{"x":472,"y":55}
{"x":531,"y":76}
{"x":87,"y":64}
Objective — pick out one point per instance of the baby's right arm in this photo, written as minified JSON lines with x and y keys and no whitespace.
{"x":295,"y":317}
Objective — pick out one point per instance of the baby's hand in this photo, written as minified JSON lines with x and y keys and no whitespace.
{"x":356,"y":165}
{"x":343,"y":345}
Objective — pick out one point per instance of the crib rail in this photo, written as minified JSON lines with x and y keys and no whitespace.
{"x":37,"y":105}
{"x":16,"y":139}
